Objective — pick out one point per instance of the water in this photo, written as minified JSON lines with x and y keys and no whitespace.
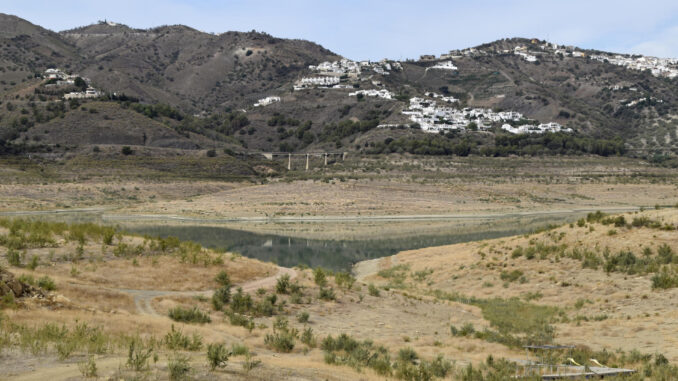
{"x":320,"y":246}
{"x":341,"y":254}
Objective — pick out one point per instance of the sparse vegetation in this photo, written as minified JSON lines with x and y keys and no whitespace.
{"x":189,"y":315}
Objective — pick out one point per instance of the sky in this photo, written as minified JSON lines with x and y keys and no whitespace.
{"x":394,"y":29}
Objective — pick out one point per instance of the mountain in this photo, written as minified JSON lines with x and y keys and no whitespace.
{"x":188,"y":68}
{"x":189,"y":89}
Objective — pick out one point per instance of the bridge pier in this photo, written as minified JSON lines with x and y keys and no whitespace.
{"x":289,"y":162}
{"x":307,"y":161}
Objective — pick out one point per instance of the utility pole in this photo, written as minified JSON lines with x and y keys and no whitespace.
{"x":289,"y":161}
{"x":307,"y":162}
{"x":326,"y":159}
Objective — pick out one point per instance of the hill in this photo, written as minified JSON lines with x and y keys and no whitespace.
{"x":212,"y":82}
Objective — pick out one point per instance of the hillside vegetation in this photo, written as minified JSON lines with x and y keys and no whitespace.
{"x":209,"y":83}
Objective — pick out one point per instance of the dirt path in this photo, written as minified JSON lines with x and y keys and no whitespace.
{"x":63,"y":371}
{"x":143,"y":298}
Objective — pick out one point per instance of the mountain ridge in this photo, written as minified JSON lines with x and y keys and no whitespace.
{"x":215,"y":75}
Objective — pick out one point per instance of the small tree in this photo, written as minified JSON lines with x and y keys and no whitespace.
{"x":283,"y":284}
{"x":319,"y":277}
{"x":223,"y":279}
{"x":217,"y":356}
{"x":80,"y":83}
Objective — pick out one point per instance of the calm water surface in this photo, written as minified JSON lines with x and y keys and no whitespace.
{"x":335,"y":254}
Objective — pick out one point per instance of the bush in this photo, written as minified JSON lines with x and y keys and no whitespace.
{"x":221,"y":297}
{"x":303,"y":317}
{"x":282,"y":342}
{"x":344,"y":280}
{"x":319,"y":277}
{"x":211,"y":153}
{"x":241,"y":320}
{"x":373,"y":290}
{"x":127,"y":150}
{"x":440,"y":367}
{"x":308,"y":338}
{"x":223,"y":279}
{"x":249,"y":363}
{"x":239,"y":349}
{"x":189,"y":315}
{"x":282,"y":338}
{"x":33,"y":264}
{"x":175,"y":340}
{"x":178,"y":366}
{"x":511,"y":276}
{"x":88,"y":369}
{"x":46,"y":283}
{"x":283,"y":284}
{"x":217,"y":356}
{"x":241,"y":302}
{"x":326,"y":294}
{"x":14,"y":258}
{"x":664,"y":280}
{"x":137,"y":356}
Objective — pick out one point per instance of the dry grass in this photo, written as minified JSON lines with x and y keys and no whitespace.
{"x":636,"y":317}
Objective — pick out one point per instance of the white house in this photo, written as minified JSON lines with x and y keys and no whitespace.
{"x":267,"y":101}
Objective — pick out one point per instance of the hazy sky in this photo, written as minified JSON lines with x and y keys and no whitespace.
{"x":397,"y":29}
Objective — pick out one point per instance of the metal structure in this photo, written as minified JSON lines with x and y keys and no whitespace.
{"x":546,"y":364}
{"x":308,"y":155}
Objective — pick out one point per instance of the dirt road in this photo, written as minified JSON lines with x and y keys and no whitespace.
{"x":143,"y":298}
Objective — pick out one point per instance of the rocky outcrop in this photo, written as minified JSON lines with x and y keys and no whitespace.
{"x":10,"y":285}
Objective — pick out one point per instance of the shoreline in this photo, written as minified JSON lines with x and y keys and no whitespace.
{"x":354,"y":218}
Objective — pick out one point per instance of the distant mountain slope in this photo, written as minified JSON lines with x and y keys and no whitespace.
{"x":189,"y":68}
{"x":107,"y":123}
{"x":218,"y":78}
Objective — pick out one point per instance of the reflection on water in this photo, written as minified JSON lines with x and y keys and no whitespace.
{"x":281,"y":245}
{"x":341,"y":254}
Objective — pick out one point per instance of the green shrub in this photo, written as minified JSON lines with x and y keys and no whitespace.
{"x":223,"y":279}
{"x":344,"y":280}
{"x":664,"y":280}
{"x":175,"y":340}
{"x":373,"y":290}
{"x":250,"y":363}
{"x":189,"y":315}
{"x":241,"y":302}
{"x":217,"y":356}
{"x":319,"y":277}
{"x":241,"y":320}
{"x":221,"y":297}
{"x":34,"y":262}
{"x":239,"y":349}
{"x":14,"y":258}
{"x":283,"y":284}
{"x":440,"y":367}
{"x":308,"y":338}
{"x":107,"y":238}
{"x":282,"y":338}
{"x":407,"y":355}
{"x":517,"y":252}
{"x":46,"y":283}
{"x":282,"y":342}
{"x":88,"y":369}
{"x":511,"y":276}
{"x":303,"y":317}
{"x":178,"y":366}
{"x":126,"y":150}
{"x":138,"y":356}
{"x":326,"y":294}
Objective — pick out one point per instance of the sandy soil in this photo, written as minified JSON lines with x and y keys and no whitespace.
{"x":637,"y":317}
{"x":368,"y":199}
